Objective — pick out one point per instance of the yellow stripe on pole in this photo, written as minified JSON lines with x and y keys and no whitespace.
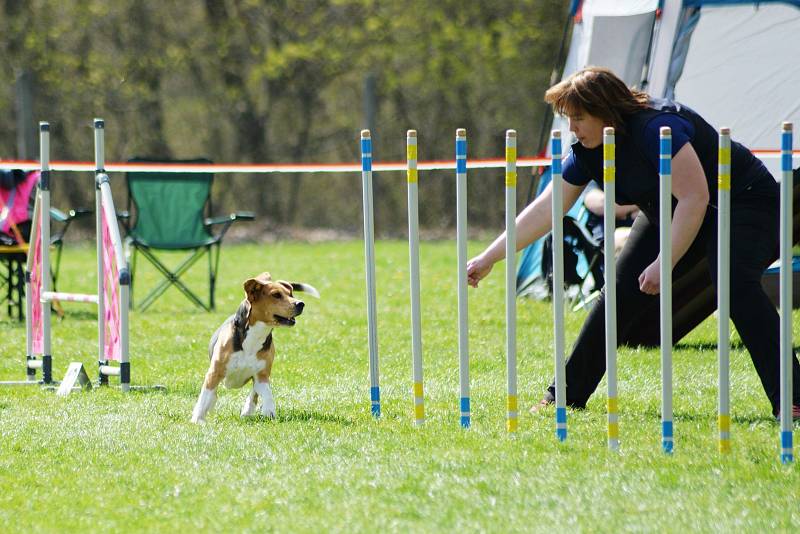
{"x":419,"y":411}
{"x":612,"y":405}
{"x":613,"y":430}
{"x":608,"y":174}
{"x":411,"y":153}
{"x":724,"y":423}
{"x":608,"y":151}
{"x":411,"y":174}
{"x":512,"y":425}
{"x":512,"y":403}
{"x":418,"y":389}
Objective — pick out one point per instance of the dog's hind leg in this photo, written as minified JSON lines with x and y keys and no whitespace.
{"x":265,"y":390}
{"x":250,"y":403}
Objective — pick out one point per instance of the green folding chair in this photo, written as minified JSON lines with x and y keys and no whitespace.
{"x":169,"y":211}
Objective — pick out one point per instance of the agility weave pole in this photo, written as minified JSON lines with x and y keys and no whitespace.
{"x":113,"y":280}
{"x":665,"y":291}
{"x":461,"y":249}
{"x":787,"y":355}
{"x":610,"y":276}
{"x":558,"y":284}
{"x":414,"y":283}
{"x":511,"y":281}
{"x":724,"y":288}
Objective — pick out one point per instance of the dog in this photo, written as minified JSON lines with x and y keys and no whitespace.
{"x":242,"y":348}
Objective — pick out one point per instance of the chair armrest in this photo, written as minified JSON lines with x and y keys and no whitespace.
{"x":58,"y":215}
{"x":237,"y":216}
{"x":228,"y":220}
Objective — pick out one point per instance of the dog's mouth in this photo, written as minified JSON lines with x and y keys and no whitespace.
{"x":285,"y":321}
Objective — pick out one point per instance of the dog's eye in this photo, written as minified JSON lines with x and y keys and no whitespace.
{"x":276,"y":295}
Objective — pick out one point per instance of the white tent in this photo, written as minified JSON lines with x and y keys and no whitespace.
{"x":733,"y":61}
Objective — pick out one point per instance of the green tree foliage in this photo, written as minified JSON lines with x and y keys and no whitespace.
{"x":283,"y":80}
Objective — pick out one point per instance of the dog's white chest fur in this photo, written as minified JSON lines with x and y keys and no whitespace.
{"x":244,"y":364}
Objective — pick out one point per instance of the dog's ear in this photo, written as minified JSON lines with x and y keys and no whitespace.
{"x":286,"y":285}
{"x":305,"y":288}
{"x":252,"y":288}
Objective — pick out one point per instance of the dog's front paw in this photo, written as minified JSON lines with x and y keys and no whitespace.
{"x":196,"y":419}
{"x":268,"y":410}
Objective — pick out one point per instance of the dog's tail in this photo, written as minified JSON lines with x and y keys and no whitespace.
{"x":305,"y":288}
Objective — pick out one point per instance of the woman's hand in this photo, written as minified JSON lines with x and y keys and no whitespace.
{"x":650,"y":279}
{"x":477,"y":269}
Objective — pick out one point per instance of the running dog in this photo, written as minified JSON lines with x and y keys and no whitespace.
{"x":242,"y":348}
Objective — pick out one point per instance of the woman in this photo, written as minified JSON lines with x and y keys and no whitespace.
{"x":595,"y":98}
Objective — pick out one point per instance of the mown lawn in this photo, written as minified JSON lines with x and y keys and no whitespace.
{"x":105,"y":461}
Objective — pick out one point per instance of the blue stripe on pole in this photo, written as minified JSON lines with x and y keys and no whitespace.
{"x":786,"y":162}
{"x":665,"y":166}
{"x":465,"y":404}
{"x":561,"y":434}
{"x":561,"y":415}
{"x":557,"y":166}
{"x":461,"y":147}
{"x":556,"y":147}
{"x":786,"y":439}
{"x":666,"y":432}
{"x":366,"y":164}
{"x":366,"y":146}
{"x":786,"y":141}
{"x":375,"y":396}
{"x":665,"y":156}
{"x":787,"y":458}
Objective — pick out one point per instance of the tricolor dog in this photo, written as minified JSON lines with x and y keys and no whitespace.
{"x":242,"y":349}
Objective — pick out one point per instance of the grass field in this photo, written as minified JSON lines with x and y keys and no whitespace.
{"x":105,"y":461}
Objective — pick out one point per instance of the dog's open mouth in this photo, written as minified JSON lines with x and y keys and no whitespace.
{"x":285,"y":321}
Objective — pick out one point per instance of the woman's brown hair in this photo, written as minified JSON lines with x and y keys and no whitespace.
{"x":598,"y":92}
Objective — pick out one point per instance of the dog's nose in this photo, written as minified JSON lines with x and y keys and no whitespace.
{"x":298,"y":307}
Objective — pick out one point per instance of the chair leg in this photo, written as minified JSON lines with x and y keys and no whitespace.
{"x":172,"y":278}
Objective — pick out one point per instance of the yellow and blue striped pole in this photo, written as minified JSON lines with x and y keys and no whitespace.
{"x":786,"y":293}
{"x":413,"y":254}
{"x":665,"y":236}
{"x":461,"y":242}
{"x":609,"y":226}
{"x":511,"y":279}
{"x":557,"y":223}
{"x":724,"y":286}
{"x":369,"y":250}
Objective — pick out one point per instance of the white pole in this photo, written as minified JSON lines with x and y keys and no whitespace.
{"x":511,"y":280}
{"x":99,"y":164}
{"x":461,"y":242}
{"x":665,"y":235}
{"x":609,"y":226}
{"x":44,"y":160}
{"x":557,"y":224}
{"x":786,"y":293}
{"x":724,"y":286}
{"x":413,"y":255}
{"x":369,"y":249}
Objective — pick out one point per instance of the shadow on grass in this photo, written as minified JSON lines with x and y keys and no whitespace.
{"x":701,"y":345}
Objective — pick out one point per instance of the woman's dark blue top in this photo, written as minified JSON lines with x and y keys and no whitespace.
{"x":637,"y":157}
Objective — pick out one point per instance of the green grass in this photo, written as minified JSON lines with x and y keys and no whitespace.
{"x":104,"y":461}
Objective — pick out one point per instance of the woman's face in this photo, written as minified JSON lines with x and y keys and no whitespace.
{"x":587,"y":128}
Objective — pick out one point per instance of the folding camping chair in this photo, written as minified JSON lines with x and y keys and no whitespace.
{"x":170,"y":213}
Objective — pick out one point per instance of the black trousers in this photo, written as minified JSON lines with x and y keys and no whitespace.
{"x":754,"y":245}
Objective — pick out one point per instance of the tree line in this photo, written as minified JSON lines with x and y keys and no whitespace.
{"x":272,"y":81}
